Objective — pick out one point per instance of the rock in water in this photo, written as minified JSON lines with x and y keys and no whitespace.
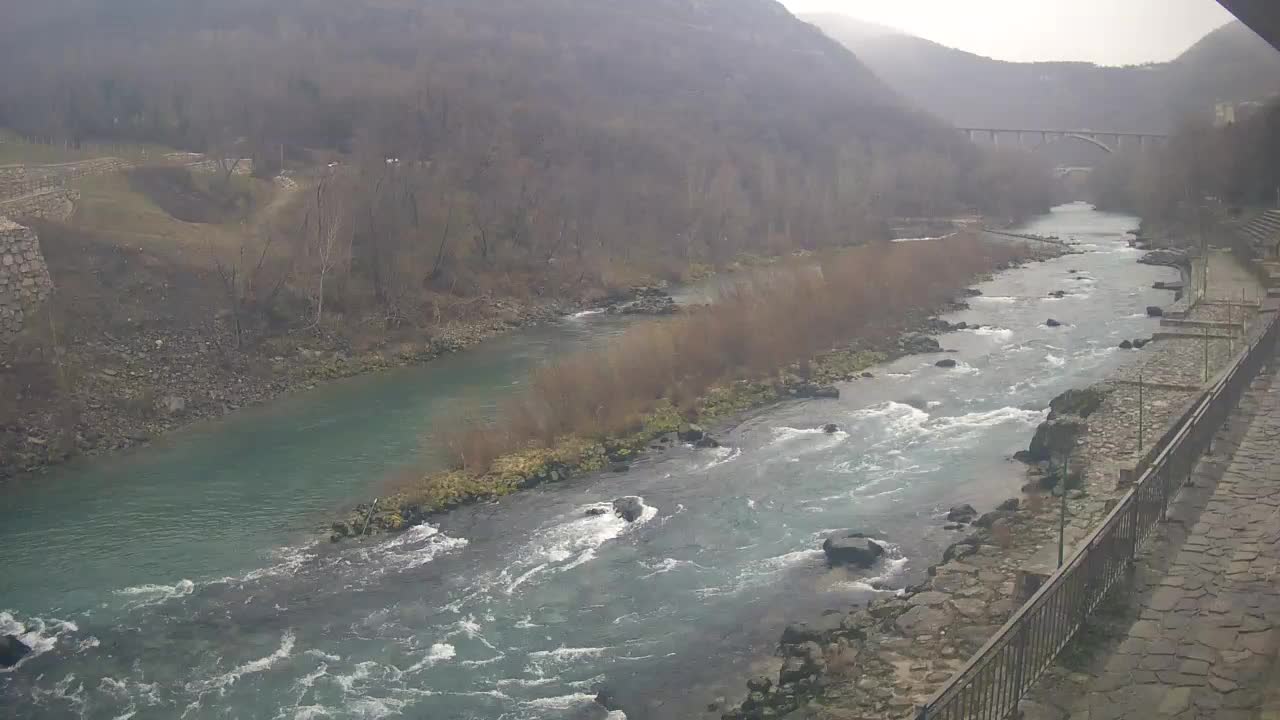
{"x":1154,"y":311}
{"x":1139,"y":344}
{"x":947,"y":363}
{"x":690,"y":433}
{"x":831,"y":428}
{"x":1055,"y":438}
{"x":827,"y":392}
{"x":962,"y":514}
{"x":12,"y":650}
{"x":628,"y":508}
{"x":1080,"y":402}
{"x":1126,"y":345}
{"x":1052,"y":323}
{"x":917,"y":344}
{"x":851,"y":548}
{"x":606,"y":699}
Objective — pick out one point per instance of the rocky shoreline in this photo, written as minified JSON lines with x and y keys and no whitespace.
{"x":888,"y":658}
{"x":138,"y":387}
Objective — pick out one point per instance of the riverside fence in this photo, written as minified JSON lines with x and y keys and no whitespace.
{"x":994,"y":680}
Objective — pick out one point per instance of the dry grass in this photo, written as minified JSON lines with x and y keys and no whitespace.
{"x":779,"y":318}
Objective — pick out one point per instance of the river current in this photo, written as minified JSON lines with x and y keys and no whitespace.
{"x":188,"y":580}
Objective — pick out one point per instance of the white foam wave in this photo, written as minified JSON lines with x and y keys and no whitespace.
{"x":586,"y":313}
{"x":667,"y":565}
{"x":1056,"y":361}
{"x":310,"y":712}
{"x":721,"y":456}
{"x":524,"y":682}
{"x":996,"y":332}
{"x":36,"y":633}
{"x":786,"y":434}
{"x":262,"y":664}
{"x":439,"y":652}
{"x":569,"y":544}
{"x":568,"y":654}
{"x":1002,"y":299}
{"x":562,"y":702}
{"x":143,"y":595}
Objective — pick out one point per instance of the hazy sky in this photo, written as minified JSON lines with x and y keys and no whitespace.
{"x":1107,"y":32}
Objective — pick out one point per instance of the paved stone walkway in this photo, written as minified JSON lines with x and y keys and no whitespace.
{"x":1206,"y":632}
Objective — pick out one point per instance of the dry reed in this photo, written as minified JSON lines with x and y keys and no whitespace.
{"x":756,"y":328}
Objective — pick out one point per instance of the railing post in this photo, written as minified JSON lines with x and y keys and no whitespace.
{"x":1134,"y":516}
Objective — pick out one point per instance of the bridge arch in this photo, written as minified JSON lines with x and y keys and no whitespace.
{"x":1091,"y":140}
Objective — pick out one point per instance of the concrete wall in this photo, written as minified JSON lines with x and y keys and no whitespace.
{"x":24,"y":278}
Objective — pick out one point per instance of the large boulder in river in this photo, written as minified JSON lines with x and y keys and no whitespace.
{"x":12,"y":650}
{"x":1054,"y":439}
{"x":690,"y":432}
{"x":851,"y":548}
{"x":1081,"y":402}
{"x":962,"y":514}
{"x":628,"y":508}
{"x":946,"y":363}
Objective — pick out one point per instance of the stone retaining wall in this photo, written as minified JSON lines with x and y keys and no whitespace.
{"x":17,"y":180}
{"x":24,"y":278}
{"x":53,"y":204}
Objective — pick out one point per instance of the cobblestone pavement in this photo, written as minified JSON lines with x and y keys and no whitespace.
{"x":1202,"y":639}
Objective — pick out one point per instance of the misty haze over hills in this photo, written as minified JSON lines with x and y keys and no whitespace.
{"x":1231,"y":64}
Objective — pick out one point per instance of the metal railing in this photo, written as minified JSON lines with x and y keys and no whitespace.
{"x":995,"y":679}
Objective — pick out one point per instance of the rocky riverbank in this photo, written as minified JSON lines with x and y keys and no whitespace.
{"x":129,"y":387}
{"x":888,"y":658}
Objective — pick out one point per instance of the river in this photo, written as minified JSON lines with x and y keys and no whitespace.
{"x":185,"y":579}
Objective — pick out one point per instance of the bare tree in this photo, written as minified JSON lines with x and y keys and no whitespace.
{"x":324,"y":228}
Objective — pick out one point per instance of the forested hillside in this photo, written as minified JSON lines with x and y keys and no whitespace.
{"x":1231,"y":64}
{"x":678,"y":128}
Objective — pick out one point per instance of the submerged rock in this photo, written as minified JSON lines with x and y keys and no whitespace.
{"x":810,"y":390}
{"x":1126,"y":345}
{"x":707,"y":442}
{"x":596,"y":512}
{"x":831,"y":428}
{"x":947,"y":363}
{"x":606,"y":699}
{"x":1052,"y":323}
{"x":12,"y":650}
{"x":1174,"y":258}
{"x":851,"y":548}
{"x":628,"y":508}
